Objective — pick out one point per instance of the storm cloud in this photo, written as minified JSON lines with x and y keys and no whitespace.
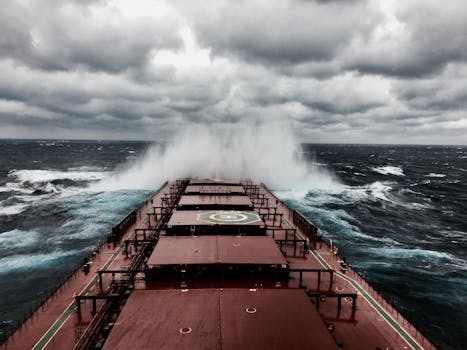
{"x":334,"y":71}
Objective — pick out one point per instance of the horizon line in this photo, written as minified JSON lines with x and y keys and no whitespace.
{"x":302,"y":142}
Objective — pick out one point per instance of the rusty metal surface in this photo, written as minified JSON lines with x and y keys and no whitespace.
{"x":174,"y":250}
{"x":209,"y":200}
{"x":215,"y":319}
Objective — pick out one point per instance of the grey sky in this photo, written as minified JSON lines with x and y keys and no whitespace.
{"x":358,"y":71}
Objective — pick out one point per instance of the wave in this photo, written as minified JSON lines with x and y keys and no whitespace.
{"x":14,"y":187}
{"x":456,"y":181}
{"x":18,"y":239}
{"x":454,"y":236}
{"x":92,"y":216}
{"x":347,"y":195}
{"x":6,"y":210}
{"x":416,"y":206}
{"x":344,"y":194}
{"x":34,"y":261}
{"x":268,"y":154}
{"x":414,"y":253}
{"x":422,"y":258}
{"x":87,"y":168}
{"x":424,"y":182}
{"x":435,"y":175}
{"x":389,"y":170}
{"x":41,"y":176}
{"x":46,"y":186}
{"x":341,"y":223}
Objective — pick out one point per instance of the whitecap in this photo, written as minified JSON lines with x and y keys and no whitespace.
{"x":341,"y":220}
{"x":29,"y":261}
{"x":12,"y":209}
{"x":342,"y":195}
{"x":40,"y":176}
{"x":379,"y":190}
{"x":14,"y":187}
{"x":417,"y":206}
{"x":435,"y":175}
{"x":389,"y":170}
{"x":86,"y":168}
{"x":454,"y":181}
{"x":418,"y":254}
{"x":18,"y":238}
{"x":424,"y":182}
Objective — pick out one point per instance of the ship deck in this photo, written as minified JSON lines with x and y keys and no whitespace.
{"x":176,"y":250}
{"x":215,"y":318}
{"x":323,"y":303}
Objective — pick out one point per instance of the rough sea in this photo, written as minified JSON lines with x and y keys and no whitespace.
{"x":398,"y":216}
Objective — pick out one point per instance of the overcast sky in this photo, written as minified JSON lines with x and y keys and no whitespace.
{"x":352,"y":71}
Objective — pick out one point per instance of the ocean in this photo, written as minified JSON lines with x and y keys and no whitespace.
{"x":397,"y":213}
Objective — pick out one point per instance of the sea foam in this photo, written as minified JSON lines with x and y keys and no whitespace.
{"x":29,"y":261}
{"x":40,"y":176}
{"x":18,"y":239}
{"x":267,"y":153}
{"x":389,"y":170}
{"x":435,"y":175}
{"x":14,"y":209}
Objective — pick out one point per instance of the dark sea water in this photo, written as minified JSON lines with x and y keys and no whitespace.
{"x":399,"y":216}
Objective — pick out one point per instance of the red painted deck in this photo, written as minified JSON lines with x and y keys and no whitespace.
{"x":253,"y":250}
{"x":219,"y":319}
{"x":212,"y":200}
{"x":215,"y":189}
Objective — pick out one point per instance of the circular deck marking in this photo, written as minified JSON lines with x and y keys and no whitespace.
{"x":185,"y":330}
{"x":228,"y":217}
{"x":250,"y":310}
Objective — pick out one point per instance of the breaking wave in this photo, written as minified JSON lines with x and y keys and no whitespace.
{"x":435,"y":175}
{"x":422,"y":257}
{"x":265,"y":153}
{"x":18,"y":239}
{"x":343,"y":194}
{"x":389,"y":170}
{"x":29,"y":186}
{"x":14,"y":209}
{"x":41,"y":176}
{"x":32,"y":261}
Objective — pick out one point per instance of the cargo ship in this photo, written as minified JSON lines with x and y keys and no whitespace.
{"x":215,"y":264}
